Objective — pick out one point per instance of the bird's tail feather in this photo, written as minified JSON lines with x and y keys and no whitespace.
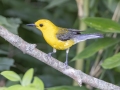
{"x":83,"y":37}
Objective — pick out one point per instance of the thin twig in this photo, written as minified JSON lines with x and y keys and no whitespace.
{"x":77,"y":75}
{"x":117,"y":49}
{"x":96,"y":64}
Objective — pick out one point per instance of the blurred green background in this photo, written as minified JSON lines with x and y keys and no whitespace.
{"x":15,"y":14}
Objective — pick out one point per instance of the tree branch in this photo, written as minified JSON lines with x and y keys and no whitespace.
{"x":77,"y":75}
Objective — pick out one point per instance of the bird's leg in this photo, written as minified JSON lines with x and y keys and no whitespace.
{"x":54,"y":51}
{"x":66,"y":61}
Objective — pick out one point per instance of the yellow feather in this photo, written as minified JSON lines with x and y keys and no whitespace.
{"x":49,"y":31}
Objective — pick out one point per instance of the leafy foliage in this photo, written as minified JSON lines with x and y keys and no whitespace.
{"x":15,"y":14}
{"x":11,"y":75}
{"x":27,"y":77}
{"x":103,"y":24}
{"x":11,"y":24}
{"x":111,"y":62}
{"x":96,"y":46}
{"x":26,"y":84}
{"x":5,"y":63}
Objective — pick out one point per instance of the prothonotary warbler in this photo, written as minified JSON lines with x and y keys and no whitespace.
{"x":61,"y":38}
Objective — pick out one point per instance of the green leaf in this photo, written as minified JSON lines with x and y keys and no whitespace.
{"x":14,"y":87}
{"x":5,"y":63}
{"x":27,"y":77}
{"x":38,"y":84}
{"x":19,"y":87}
{"x":15,"y":23}
{"x":10,"y":75}
{"x":54,"y":3}
{"x":111,"y":4}
{"x":92,"y":30}
{"x":11,"y":24}
{"x":3,"y":21}
{"x":112,"y":62}
{"x":33,"y":29}
{"x":3,"y":52}
{"x":3,"y":88}
{"x":67,"y":88}
{"x":103,"y":24}
{"x":96,"y":46}
{"x":26,"y":88}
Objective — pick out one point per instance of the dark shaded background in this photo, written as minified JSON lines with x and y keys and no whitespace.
{"x":61,"y":12}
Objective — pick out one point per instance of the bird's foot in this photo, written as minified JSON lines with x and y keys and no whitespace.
{"x":50,"y":54}
{"x":66,"y":64}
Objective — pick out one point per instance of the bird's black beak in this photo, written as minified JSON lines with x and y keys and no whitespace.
{"x":30,"y":24}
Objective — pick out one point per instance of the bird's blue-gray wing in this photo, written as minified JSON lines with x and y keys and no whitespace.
{"x":66,"y":34}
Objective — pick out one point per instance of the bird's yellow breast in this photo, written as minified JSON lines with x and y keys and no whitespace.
{"x":52,"y":40}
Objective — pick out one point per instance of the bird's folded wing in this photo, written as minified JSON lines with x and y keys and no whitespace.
{"x":65,"y":34}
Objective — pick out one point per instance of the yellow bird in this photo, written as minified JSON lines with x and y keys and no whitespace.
{"x":61,"y":38}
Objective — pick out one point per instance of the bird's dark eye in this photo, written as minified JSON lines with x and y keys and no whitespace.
{"x":41,"y":25}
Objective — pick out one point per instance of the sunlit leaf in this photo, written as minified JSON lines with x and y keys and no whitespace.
{"x":103,"y":24}
{"x":96,"y":46}
{"x":27,"y":88}
{"x":38,"y":84}
{"x":10,"y":75}
{"x":19,"y":87}
{"x":3,"y":88}
{"x":27,"y":77}
{"x":14,"y":87}
{"x":111,"y":62}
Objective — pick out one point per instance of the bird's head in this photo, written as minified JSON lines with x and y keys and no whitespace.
{"x":43,"y":25}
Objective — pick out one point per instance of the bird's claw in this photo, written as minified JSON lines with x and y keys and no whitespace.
{"x":50,"y":54}
{"x":66,"y":64}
